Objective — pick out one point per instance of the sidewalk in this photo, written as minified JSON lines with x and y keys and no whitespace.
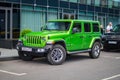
{"x":8,"y":53}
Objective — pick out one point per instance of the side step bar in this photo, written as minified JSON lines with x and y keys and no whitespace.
{"x":73,"y":52}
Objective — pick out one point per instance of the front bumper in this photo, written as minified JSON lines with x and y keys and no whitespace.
{"x":112,"y":44}
{"x":34,"y":50}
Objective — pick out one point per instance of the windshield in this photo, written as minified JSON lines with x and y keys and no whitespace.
{"x":61,"y":26}
{"x":116,"y":28}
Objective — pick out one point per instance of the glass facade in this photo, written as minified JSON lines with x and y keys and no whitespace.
{"x":75,"y":1}
{"x":33,"y":14}
{"x":9,"y":20}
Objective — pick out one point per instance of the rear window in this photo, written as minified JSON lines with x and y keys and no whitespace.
{"x":95,"y":27}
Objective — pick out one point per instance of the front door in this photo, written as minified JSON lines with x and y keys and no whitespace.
{"x":5,"y":23}
{"x":76,"y":38}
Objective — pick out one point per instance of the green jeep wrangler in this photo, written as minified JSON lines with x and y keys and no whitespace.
{"x":59,"y":38}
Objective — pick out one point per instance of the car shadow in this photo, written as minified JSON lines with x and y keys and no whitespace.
{"x":114,"y":50}
{"x":76,"y":57}
{"x":69,"y":58}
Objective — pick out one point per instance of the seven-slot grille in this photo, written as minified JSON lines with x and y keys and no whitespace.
{"x":33,"y":39}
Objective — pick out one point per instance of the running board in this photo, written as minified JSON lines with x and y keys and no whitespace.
{"x":73,"y":52}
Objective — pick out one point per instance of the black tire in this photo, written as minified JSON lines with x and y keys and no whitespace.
{"x":95,"y":51}
{"x":24,"y":56}
{"x":57,"y":55}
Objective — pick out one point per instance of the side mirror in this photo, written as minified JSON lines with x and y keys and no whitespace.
{"x":74,"y":30}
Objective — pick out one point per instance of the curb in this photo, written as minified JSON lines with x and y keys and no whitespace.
{"x":9,"y":58}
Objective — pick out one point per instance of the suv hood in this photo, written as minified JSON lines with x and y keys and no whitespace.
{"x":112,"y":36}
{"x":113,"y":33}
{"x":46,"y":33}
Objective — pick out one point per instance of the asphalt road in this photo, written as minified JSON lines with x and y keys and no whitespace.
{"x":76,"y":67}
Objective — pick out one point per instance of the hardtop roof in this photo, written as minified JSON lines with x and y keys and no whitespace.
{"x":69,"y":20}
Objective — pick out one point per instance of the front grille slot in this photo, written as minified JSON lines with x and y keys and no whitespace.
{"x":33,"y":39}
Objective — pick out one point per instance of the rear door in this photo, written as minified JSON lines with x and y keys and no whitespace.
{"x":87,"y":35}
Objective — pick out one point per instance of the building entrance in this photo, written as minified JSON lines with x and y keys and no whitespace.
{"x":5,"y":23}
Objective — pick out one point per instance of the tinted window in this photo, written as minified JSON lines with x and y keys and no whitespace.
{"x":95,"y":27}
{"x":87,"y":27}
{"x":28,"y":1}
{"x":77,"y":26}
{"x":116,"y":28}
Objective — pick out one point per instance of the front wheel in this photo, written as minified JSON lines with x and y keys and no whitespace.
{"x":57,"y":55}
{"x":95,"y":51}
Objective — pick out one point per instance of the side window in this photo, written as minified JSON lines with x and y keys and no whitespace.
{"x":87,"y":27}
{"x":77,"y":26}
{"x":95,"y":27}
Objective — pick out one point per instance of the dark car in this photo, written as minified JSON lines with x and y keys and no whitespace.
{"x":112,"y":40}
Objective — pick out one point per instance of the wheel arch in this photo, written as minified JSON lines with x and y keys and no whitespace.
{"x":95,"y":40}
{"x":61,"y":42}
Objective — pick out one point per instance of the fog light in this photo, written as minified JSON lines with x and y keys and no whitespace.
{"x":40,"y":50}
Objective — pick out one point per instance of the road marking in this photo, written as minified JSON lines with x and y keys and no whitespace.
{"x":111,"y":57}
{"x":112,"y":77}
{"x":117,"y":57}
{"x":17,"y":74}
{"x":108,"y":57}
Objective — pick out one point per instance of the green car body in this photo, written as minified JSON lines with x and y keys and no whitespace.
{"x":70,"y":34}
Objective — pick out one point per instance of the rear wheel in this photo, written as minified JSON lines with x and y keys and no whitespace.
{"x":24,"y":56}
{"x":57,"y":55}
{"x":95,"y":51}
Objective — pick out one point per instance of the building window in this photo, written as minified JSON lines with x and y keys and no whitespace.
{"x":93,"y":2}
{"x":110,"y":3}
{"x":64,"y":0}
{"x":75,"y":1}
{"x":97,"y":2}
{"x":82,"y":1}
{"x":88,"y":2}
{"x":103,"y":3}
{"x":69,"y":16}
{"x":12,"y":0}
{"x":115,"y":4}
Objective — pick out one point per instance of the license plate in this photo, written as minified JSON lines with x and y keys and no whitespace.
{"x":26,"y":49}
{"x":112,"y":42}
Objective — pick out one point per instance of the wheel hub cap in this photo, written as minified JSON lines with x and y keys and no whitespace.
{"x":57,"y":54}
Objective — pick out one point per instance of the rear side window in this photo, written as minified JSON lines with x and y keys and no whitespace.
{"x":87,"y":27}
{"x":95,"y":27}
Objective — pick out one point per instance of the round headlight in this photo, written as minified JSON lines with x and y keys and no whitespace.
{"x":43,"y":38}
